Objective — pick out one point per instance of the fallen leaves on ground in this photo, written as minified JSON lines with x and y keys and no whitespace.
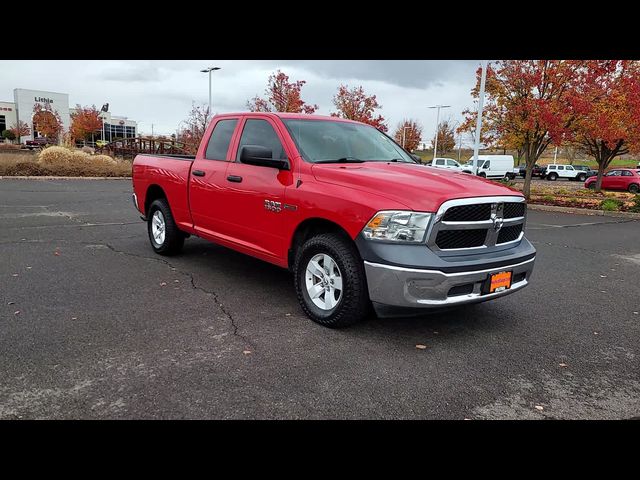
{"x":420,"y":346}
{"x":14,"y":274}
{"x":539,"y":407}
{"x":163,"y":284}
{"x":17,"y":312}
{"x":563,"y":365}
{"x":13,"y":303}
{"x":246,"y":352}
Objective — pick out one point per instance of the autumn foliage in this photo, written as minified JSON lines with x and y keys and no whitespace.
{"x":281,"y":96}
{"x":193,"y":127}
{"x":408,"y":134}
{"x":84,"y":122}
{"x":46,"y":121}
{"x":20,"y":129}
{"x":446,"y":138}
{"x":528,"y":104}
{"x":606,"y":108}
{"x":355,"y":104}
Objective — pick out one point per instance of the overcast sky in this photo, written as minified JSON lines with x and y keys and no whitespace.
{"x":161,"y":92}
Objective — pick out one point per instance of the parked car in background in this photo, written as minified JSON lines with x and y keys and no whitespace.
{"x":492,"y":166}
{"x":626,"y":179}
{"x":537,"y":171}
{"x":39,"y":142}
{"x":567,"y":172}
{"x":585,"y":168}
{"x":448,"y":163}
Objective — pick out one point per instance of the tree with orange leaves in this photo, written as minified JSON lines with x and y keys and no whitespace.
{"x":20,"y":129}
{"x":84,"y":122}
{"x":355,"y":104}
{"x":408,"y":134}
{"x":47,"y":121}
{"x":606,"y":106}
{"x":282,"y":96}
{"x":528,"y":102}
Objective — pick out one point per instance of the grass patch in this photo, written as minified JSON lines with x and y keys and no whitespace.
{"x":548,"y":198}
{"x":611,"y":204}
{"x":60,"y":161}
{"x":635,"y":204}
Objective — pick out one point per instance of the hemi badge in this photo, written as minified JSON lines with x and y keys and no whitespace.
{"x":293,"y":208}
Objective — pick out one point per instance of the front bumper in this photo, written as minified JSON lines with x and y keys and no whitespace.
{"x":411,"y":287}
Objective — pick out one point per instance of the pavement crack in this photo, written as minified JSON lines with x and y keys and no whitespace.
{"x":216,"y":299}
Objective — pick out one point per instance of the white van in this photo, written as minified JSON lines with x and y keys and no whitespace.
{"x":492,"y":166}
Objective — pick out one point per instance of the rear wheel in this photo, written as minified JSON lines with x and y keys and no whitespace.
{"x":582,"y":177}
{"x":330,"y":281}
{"x":592,"y":186}
{"x":164,"y":235}
{"x":634,"y":188}
{"x":552,"y":176}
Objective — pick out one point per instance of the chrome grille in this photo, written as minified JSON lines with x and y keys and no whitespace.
{"x":471,"y":224}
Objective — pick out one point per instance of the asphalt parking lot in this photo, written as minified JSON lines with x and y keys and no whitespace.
{"x":94,"y":325}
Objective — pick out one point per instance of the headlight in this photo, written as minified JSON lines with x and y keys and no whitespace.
{"x":397,"y":226}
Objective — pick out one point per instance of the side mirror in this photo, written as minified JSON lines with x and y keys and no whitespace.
{"x":262,"y":157}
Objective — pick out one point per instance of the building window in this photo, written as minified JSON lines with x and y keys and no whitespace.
{"x":3,"y":123}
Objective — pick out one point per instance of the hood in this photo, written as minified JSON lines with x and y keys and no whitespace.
{"x":419,"y":187}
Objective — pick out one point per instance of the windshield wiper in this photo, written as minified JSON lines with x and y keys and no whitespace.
{"x":342,"y":160}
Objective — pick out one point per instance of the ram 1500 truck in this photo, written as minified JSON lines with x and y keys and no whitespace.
{"x":356,"y":219}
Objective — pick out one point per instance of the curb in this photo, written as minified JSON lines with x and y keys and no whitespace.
{"x":582,"y":211}
{"x":43,"y":177}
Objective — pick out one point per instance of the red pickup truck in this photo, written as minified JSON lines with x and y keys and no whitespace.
{"x":356,"y":219}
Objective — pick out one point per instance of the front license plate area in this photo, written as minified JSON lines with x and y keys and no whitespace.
{"x":498,"y":282}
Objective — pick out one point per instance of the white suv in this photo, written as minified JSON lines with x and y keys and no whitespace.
{"x":449,"y":163}
{"x":555,"y":171}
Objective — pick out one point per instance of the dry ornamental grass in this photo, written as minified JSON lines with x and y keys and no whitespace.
{"x":62,"y":161}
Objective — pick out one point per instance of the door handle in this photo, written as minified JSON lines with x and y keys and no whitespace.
{"x":198,"y":173}
{"x":234,"y":178}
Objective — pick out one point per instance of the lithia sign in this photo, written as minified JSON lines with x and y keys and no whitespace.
{"x":42,"y":99}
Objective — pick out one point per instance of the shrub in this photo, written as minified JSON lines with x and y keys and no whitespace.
{"x":563,"y":191}
{"x":548,"y":198}
{"x":54,"y":156}
{"x":8,"y":134}
{"x":611,"y":204}
{"x":635,"y":204}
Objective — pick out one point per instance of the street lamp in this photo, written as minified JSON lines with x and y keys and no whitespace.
{"x":209,"y":70}
{"x":435,"y":145}
{"x":404,"y":129}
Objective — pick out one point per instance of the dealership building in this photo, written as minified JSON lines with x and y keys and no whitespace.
{"x":24,"y":101}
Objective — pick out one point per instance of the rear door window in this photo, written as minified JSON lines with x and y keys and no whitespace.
{"x":452,"y":163}
{"x":439,"y":162}
{"x":625,"y":173}
{"x":220,"y":139}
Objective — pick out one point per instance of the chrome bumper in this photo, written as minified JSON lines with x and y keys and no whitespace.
{"x":409,"y":287}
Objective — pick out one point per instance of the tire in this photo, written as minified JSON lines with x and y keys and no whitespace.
{"x":582,"y":177}
{"x":592,"y":186}
{"x":634,"y":188}
{"x":353,"y":302}
{"x":552,"y":177}
{"x":482,"y":174}
{"x":173,"y":239}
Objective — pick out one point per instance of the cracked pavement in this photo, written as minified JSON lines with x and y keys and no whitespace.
{"x":93,"y":324}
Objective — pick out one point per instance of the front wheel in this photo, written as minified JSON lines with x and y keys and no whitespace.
{"x":552,"y":176}
{"x":164,"y":235}
{"x":330,"y":281}
{"x":582,"y":177}
{"x":634,"y":188}
{"x":592,"y":186}
{"x":482,"y":174}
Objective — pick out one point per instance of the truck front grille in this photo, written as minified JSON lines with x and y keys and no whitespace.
{"x":473,"y":223}
{"x":448,"y":239}
{"x":468,"y":213}
{"x":509,"y":234}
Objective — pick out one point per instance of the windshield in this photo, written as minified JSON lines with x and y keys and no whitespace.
{"x":324,"y":141}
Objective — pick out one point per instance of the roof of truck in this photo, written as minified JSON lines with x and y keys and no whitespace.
{"x":293,"y":116}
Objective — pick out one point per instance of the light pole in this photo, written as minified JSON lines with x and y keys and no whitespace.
{"x":404,"y":130}
{"x":435,"y":145}
{"x":476,"y":145}
{"x":209,"y":70}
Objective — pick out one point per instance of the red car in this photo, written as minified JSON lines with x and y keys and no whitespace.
{"x":355,"y":218}
{"x":618,"y":179}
